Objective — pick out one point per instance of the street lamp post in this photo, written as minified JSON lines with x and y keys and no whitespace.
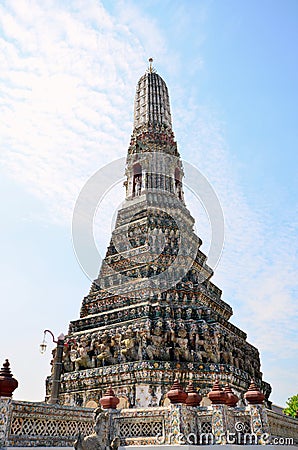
{"x":57,"y":364}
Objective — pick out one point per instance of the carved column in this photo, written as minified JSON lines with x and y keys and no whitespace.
{"x":5,"y":415}
{"x":259,"y":423}
{"x":183,"y":425}
{"x":219,"y":423}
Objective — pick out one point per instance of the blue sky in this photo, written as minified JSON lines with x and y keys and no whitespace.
{"x":68,"y":76}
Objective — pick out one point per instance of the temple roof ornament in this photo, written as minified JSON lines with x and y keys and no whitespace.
{"x":109,"y":399}
{"x":217,"y":396}
{"x":254,"y":396}
{"x":193,"y":398}
{"x":151,"y":68}
{"x":231,"y":398}
{"x":7,"y":383}
{"x":177,"y":394}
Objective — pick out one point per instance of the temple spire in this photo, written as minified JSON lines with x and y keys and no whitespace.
{"x":153,"y":134}
{"x":152,"y":104}
{"x":153,"y":313}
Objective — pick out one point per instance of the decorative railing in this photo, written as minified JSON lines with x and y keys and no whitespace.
{"x":26,"y":424}
{"x":161,"y":425}
{"x":282,"y":426}
{"x":140,"y":426}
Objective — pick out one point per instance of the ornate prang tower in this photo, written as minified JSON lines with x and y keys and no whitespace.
{"x":153,"y":313}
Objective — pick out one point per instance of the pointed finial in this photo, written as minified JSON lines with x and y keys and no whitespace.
{"x":254,"y":396}
{"x":193,"y":398}
{"x":150,"y":68}
{"x":231,"y":398}
{"x":150,"y":64}
{"x":176,"y":394}
{"x":217,"y":395}
{"x":7,"y":383}
{"x":109,"y":399}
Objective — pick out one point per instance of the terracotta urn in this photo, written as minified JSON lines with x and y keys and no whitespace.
{"x":176,"y":394}
{"x":109,"y":400}
{"x":254,"y":396}
{"x":193,"y":398}
{"x":231,"y":398}
{"x":217,"y":396}
{"x":7,"y":383}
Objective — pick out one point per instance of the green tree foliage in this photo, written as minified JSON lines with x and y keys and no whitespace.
{"x":292,"y":406}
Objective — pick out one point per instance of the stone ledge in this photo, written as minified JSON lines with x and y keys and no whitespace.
{"x":202,"y":447}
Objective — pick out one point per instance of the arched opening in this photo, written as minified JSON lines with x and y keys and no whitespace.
{"x":91,"y":404}
{"x":178,"y":183}
{"x":205,"y":401}
{"x":137,"y":180}
{"x":165,"y":402}
{"x":123,"y":403}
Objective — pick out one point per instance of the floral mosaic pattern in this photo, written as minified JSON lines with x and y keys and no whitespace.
{"x":4,"y":419}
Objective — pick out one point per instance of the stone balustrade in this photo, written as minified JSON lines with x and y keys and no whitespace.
{"x":30,"y":424}
{"x":282,"y":426}
{"x":34,"y":424}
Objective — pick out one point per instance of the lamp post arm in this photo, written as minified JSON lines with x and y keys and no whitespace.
{"x":49,"y":331}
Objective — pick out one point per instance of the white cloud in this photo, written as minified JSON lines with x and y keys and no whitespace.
{"x":65,"y":74}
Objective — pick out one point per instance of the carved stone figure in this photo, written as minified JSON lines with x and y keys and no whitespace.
{"x":210,"y":352}
{"x":181,"y":350}
{"x":83,"y":359}
{"x":156,"y":349}
{"x":104,"y":354}
{"x":67,"y":363}
{"x":73,"y":353}
{"x":195,"y":342}
{"x":129,"y":351}
{"x":138,"y":185}
{"x":100,"y":439}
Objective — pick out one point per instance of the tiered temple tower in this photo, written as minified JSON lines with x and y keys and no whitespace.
{"x":153,"y":312}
